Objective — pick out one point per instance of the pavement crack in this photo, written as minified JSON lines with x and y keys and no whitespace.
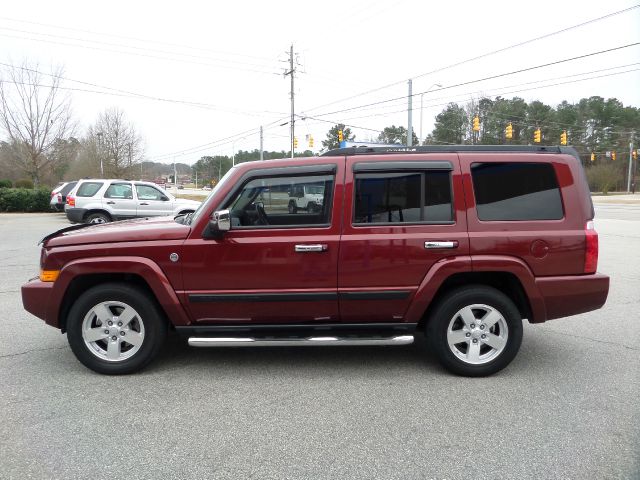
{"x":592,"y":339}
{"x":32,"y":350}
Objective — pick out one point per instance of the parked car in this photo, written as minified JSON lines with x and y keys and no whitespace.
{"x":59,"y":195}
{"x":307,"y":197}
{"x":459,"y":242}
{"x":102,"y":201}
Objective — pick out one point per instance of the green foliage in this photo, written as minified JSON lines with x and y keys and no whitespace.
{"x":6,"y":184}
{"x":332,"y":141}
{"x":24,"y":200}
{"x":24,"y":183}
{"x":396,"y":135}
{"x":451,"y":125}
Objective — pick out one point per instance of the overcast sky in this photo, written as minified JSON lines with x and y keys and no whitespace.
{"x":229,"y":57}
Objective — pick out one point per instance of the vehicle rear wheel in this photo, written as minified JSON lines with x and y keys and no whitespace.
{"x":475,"y":331}
{"x":115,"y":329}
{"x":292,"y":207}
{"x":97,"y":217}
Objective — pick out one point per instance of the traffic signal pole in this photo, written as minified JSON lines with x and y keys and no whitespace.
{"x":410,"y":119}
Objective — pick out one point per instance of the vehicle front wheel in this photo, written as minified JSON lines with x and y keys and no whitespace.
{"x":115,"y":329}
{"x":97,"y":217}
{"x":475,"y":331}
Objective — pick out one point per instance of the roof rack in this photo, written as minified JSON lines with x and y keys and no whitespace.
{"x":448,"y":149}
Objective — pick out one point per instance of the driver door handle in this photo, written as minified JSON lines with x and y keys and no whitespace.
{"x":311,"y":248}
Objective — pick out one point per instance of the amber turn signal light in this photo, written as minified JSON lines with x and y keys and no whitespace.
{"x":49,"y":275}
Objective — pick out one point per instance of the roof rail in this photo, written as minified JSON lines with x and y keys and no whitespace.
{"x":448,"y":149}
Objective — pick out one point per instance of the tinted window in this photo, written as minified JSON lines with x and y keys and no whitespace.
{"x":516,"y":191}
{"x":145,"y":192}
{"x":283,"y":201}
{"x":119,"y":190}
{"x":410,"y":197}
{"x":88,"y":189}
{"x":67,"y":188}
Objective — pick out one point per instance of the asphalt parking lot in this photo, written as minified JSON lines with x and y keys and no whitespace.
{"x":567,"y":407}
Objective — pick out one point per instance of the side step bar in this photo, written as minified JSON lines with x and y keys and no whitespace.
{"x":296,"y":342}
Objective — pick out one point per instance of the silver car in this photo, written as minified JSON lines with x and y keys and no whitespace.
{"x":101,"y":201}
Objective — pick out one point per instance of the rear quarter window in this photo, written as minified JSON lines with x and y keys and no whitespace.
{"x":516,"y":191}
{"x":88,"y":189}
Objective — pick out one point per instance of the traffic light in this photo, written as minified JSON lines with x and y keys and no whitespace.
{"x":508,"y":132}
{"x":537,"y":135}
{"x":476,"y":123}
{"x":593,"y":157}
{"x":295,"y":142}
{"x":634,"y":154}
{"x":310,"y":141}
{"x":563,"y":137}
{"x":340,"y":136}
{"x":613,"y":156}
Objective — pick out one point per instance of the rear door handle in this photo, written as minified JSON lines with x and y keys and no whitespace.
{"x":144,"y":203}
{"x":432,"y":244}
{"x":111,"y":203}
{"x":311,"y":248}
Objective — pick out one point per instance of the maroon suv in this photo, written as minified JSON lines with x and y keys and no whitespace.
{"x":461,"y":243}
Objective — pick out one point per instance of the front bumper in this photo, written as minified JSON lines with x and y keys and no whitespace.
{"x":36,"y":296}
{"x":75,"y":215}
{"x":573,"y":294}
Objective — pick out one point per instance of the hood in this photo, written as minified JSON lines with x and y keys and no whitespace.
{"x":137,"y":230}
{"x":187,"y":203}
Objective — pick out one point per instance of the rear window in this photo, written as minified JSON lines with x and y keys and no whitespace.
{"x":403,"y":197}
{"x":516,"y":191}
{"x":88,"y":189}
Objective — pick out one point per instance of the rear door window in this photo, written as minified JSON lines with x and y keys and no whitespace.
{"x":403,"y":197}
{"x":516,"y":191}
{"x":88,"y":189}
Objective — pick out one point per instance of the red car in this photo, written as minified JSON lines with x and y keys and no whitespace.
{"x":459,"y":242}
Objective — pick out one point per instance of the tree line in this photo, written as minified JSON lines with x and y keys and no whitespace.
{"x":43,"y":143}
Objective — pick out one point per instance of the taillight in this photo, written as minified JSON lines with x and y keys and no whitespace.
{"x":591,"y":248}
{"x":71,"y":201}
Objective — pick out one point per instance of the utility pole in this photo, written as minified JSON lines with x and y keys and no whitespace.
{"x":261,"y":144}
{"x":99,"y":135}
{"x":175,"y":177}
{"x":410,"y":121}
{"x":292,"y":121}
{"x":630,"y":164}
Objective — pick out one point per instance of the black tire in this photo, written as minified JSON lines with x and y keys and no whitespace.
{"x":292,"y":207}
{"x":446,"y":314}
{"x":148,"y":315}
{"x":312,"y":207}
{"x":97,"y":217}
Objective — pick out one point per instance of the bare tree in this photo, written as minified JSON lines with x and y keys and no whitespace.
{"x":119,"y":145}
{"x":35,"y":114}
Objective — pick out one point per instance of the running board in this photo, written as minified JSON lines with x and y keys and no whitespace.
{"x":296,"y":342}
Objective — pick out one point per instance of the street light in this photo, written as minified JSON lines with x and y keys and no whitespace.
{"x":421,"y":105}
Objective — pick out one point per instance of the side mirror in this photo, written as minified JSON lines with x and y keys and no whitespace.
{"x":220,"y":222}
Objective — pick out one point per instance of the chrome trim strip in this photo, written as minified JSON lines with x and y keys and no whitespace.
{"x":315,"y":341}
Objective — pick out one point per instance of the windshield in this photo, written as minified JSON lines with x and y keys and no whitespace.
{"x":204,"y":204}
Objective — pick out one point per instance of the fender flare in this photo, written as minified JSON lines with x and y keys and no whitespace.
{"x":143,"y":267}
{"x":447,"y":267}
{"x":517,"y":267}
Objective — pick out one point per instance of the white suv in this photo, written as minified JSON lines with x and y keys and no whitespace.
{"x":309,"y":197}
{"x":101,"y":201}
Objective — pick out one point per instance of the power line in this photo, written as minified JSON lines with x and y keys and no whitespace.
{"x":178,"y":56}
{"x":484,"y":55}
{"x":137,"y":39}
{"x":124,"y":93}
{"x":491,"y":77}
